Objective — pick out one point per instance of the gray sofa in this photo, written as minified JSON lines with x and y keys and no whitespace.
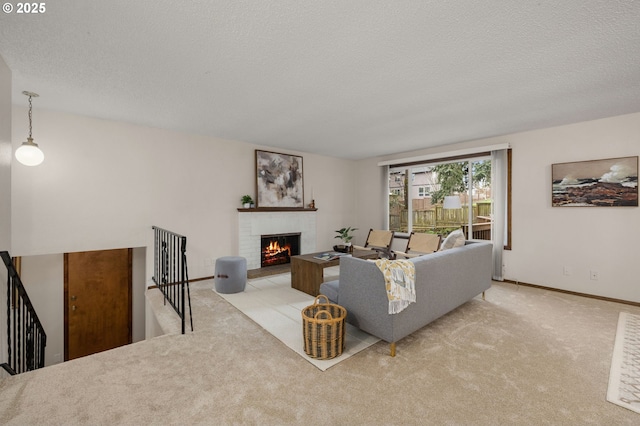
{"x":444,"y":280}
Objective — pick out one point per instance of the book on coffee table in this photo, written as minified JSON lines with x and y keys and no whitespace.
{"x":330,"y":255}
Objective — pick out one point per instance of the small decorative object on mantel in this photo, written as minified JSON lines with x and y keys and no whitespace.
{"x":611,"y":182}
{"x":346,"y":235}
{"x":247,"y":201}
{"x":312,"y":204}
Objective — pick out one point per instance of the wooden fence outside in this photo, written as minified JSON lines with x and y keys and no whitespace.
{"x":437,"y":218}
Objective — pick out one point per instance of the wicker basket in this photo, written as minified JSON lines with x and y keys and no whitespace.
{"x":323,"y":329}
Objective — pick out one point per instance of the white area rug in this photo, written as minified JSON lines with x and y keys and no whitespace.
{"x":624,"y":378}
{"x":276,"y":307}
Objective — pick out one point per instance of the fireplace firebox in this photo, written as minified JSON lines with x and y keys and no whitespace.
{"x":277,"y":249}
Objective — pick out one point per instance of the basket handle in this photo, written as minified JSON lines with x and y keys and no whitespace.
{"x":315,"y":302}
{"x":323,"y":312}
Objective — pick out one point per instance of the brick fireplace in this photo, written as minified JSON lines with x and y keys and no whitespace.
{"x":252,"y":225}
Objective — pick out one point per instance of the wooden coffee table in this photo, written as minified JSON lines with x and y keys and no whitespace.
{"x":307,"y":272}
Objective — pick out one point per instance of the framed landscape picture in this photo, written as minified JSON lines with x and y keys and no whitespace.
{"x":612,"y":182}
{"x":279,"y":180}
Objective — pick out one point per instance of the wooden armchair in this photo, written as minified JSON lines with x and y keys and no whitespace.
{"x":419,"y":244}
{"x":380,"y":241}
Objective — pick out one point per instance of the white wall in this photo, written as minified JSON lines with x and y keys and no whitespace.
{"x":545,"y":239}
{"x":139,"y":287}
{"x":103,"y":184}
{"x":5,"y":191}
{"x":5,"y":156}
{"x":370,"y":198}
{"x":43,"y":278}
{"x":333,"y":182}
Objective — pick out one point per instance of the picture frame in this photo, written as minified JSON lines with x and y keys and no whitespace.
{"x":279,"y":180}
{"x":611,"y":182}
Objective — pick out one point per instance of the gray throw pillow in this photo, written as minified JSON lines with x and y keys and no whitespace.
{"x":453,"y":240}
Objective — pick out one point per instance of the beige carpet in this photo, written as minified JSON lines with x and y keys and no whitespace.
{"x":624,"y":378}
{"x":276,"y":307}
{"x":522,"y":357}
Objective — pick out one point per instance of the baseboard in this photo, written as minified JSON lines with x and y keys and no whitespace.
{"x":575,"y":293}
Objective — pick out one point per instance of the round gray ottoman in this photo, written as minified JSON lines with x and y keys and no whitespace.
{"x":230,"y":274}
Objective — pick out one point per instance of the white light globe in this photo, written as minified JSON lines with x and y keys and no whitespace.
{"x":29,"y":154}
{"x":451,"y":202}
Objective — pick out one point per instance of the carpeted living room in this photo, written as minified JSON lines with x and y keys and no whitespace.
{"x":150,"y":114}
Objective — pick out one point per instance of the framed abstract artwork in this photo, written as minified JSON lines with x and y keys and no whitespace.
{"x":611,"y":182}
{"x":279,"y":180}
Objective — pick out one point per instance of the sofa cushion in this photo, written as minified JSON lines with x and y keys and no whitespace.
{"x":453,"y":240}
{"x":331,"y":289}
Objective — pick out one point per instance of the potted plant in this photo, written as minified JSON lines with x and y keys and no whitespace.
{"x":247,"y":201}
{"x":346,"y":235}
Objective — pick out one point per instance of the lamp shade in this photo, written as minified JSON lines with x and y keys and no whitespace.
{"x":29,"y":153}
{"x":451,"y":202}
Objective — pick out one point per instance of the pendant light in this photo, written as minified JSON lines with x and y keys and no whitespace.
{"x":29,"y":153}
{"x":451,"y":202}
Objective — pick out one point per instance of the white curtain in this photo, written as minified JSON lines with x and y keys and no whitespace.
{"x":385,"y":195}
{"x":499,"y":206}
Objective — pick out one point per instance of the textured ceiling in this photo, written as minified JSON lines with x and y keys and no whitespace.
{"x":351,"y":79}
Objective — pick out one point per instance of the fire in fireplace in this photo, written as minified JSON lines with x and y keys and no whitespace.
{"x":278,"y":249}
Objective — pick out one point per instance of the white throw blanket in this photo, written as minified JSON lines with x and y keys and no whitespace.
{"x":399,"y":278}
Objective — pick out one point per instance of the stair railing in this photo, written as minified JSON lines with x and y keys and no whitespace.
{"x":170,"y":272}
{"x":26,"y":337}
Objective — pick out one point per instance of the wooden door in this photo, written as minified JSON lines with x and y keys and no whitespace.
{"x":97,"y":301}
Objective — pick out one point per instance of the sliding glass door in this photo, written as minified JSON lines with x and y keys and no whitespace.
{"x":443,"y":196}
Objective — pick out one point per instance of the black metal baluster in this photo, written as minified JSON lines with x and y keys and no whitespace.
{"x":9,"y":304}
{"x":25,"y":334}
{"x":173,"y":265}
{"x":18,"y":338}
{"x":181,"y":265}
{"x":173,"y":269}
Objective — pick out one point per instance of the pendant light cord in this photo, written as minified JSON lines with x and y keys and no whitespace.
{"x":30,"y":106}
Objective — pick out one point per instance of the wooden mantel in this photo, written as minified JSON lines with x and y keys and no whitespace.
{"x":278,"y":209}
